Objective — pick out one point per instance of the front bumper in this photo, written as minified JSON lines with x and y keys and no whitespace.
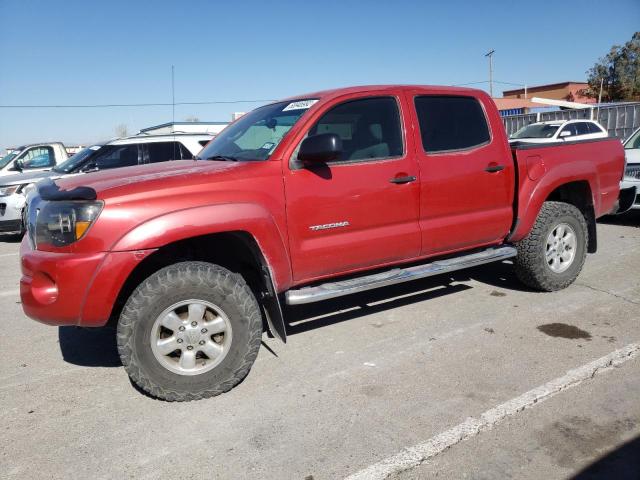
{"x":72,"y":288}
{"x":11,"y":208}
{"x":629,"y":183}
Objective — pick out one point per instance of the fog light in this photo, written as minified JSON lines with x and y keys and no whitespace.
{"x":43,"y":288}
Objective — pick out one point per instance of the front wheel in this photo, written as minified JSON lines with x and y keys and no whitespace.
{"x":190,"y":331}
{"x":552,"y":255}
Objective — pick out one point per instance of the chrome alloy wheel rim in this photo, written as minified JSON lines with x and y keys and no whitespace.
{"x":561,"y":247}
{"x":191,"y":337}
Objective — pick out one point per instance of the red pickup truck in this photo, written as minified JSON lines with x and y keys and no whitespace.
{"x":310,"y":198}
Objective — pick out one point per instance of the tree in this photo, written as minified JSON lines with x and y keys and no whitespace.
{"x":619,"y":72}
{"x":122,"y":130}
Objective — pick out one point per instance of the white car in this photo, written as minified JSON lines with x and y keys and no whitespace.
{"x":33,"y":158}
{"x":632,"y":168}
{"x":559,"y":131}
{"x":124,"y":152}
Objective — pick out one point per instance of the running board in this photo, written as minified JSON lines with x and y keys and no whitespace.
{"x":326,"y":291}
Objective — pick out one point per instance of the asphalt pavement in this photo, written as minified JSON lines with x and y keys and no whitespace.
{"x":362,"y":381}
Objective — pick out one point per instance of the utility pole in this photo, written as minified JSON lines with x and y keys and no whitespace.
{"x":490,"y":55}
{"x":599,"y":99}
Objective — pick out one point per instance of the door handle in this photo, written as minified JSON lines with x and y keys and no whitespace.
{"x":400,"y":180}
{"x":492,"y":168}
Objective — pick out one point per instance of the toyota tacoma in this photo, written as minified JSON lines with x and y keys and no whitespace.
{"x":303,"y":200}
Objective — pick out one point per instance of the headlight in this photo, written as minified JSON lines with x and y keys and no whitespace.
{"x":6,"y":190}
{"x":60,"y":223}
{"x":28,"y":188}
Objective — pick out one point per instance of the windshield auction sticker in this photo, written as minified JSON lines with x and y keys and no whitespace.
{"x":301,"y":105}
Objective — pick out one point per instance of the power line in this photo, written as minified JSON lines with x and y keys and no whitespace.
{"x":114,"y":105}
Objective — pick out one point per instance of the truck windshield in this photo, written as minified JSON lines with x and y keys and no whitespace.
{"x":4,"y":161}
{"x":536,"y":130}
{"x":76,"y":160}
{"x":257,"y":134}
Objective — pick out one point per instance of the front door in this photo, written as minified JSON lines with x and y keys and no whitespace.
{"x":362,"y":209}
{"x":467,"y":173}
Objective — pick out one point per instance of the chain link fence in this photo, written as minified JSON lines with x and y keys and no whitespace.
{"x":619,"y":120}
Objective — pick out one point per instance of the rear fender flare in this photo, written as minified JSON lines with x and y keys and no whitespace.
{"x":534,"y":193}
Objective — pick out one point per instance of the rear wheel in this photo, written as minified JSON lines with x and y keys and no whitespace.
{"x":191,"y":330}
{"x":552,"y":255}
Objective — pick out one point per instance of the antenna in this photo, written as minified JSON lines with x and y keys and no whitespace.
{"x":173,"y":96}
{"x":490,"y":55}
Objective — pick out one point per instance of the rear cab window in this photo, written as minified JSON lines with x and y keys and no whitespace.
{"x":451,"y":123}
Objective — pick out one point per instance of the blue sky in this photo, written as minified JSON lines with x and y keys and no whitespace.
{"x":82,"y":52}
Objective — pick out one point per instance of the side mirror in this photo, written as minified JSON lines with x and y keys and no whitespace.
{"x":89,"y":167}
{"x":565,"y":133}
{"x":18,"y":165}
{"x":321,"y":148}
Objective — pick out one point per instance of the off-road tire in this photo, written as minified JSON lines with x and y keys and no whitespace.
{"x":178,"y":282}
{"x":531,"y":266}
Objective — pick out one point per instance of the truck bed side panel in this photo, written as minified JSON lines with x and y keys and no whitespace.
{"x":544,"y":168}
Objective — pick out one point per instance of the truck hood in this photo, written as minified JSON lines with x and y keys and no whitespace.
{"x":632,"y":155}
{"x":157,"y":176}
{"x":29,"y":177}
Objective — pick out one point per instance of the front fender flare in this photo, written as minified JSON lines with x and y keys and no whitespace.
{"x":210,"y":219}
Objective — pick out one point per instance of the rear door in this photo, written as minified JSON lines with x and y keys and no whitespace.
{"x":360,"y":211}
{"x":466,"y":171}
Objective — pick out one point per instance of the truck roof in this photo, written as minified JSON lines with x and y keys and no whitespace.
{"x":338,"y":92}
{"x":146,"y":138}
{"x":35,"y":144}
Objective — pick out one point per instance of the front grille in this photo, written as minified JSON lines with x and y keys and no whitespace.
{"x":632,"y":171}
{"x":3,"y":208}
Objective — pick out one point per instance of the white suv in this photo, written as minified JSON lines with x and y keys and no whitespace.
{"x":559,"y":131}
{"x":124,"y":152}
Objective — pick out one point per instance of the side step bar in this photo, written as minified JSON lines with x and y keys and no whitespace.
{"x":326,"y":291}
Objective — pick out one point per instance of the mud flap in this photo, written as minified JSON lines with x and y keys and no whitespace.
{"x":273,"y":309}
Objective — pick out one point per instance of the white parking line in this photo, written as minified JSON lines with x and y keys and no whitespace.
{"x":9,"y":254}
{"x":9,"y":293}
{"x":415,"y":455}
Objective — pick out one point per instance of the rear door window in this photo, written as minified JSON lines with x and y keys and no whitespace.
{"x":450,"y":123}
{"x":593,"y":128}
{"x":571,"y":128}
{"x":164,"y":151}
{"x":582,"y":128}
{"x":185,"y":153}
{"x":115,"y":156}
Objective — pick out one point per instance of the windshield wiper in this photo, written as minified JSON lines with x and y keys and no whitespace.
{"x":222,"y":157}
